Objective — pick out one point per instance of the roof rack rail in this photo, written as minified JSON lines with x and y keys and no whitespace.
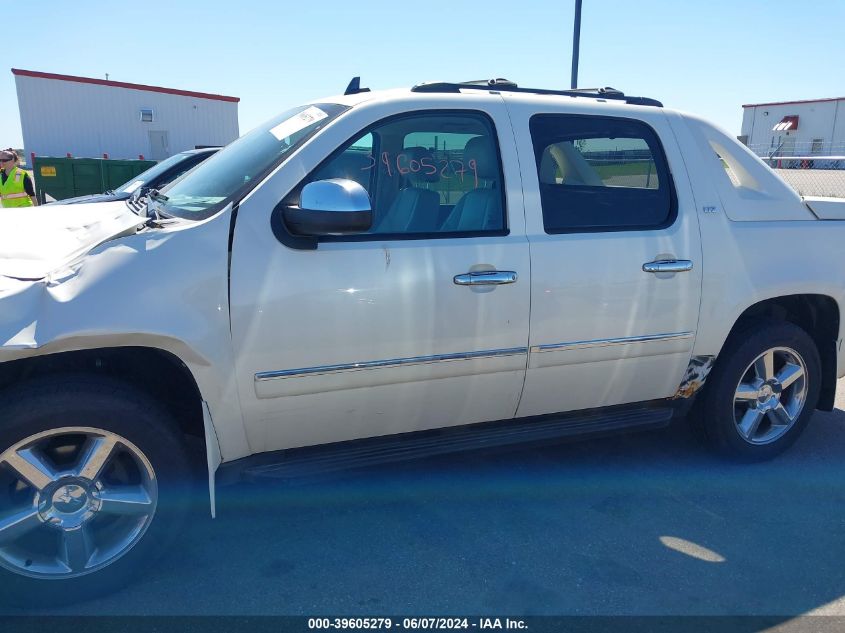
{"x":503,"y":85}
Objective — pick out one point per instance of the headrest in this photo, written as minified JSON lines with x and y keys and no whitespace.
{"x":482,"y":151}
{"x":424,"y":171}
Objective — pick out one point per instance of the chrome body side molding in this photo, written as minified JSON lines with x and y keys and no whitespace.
{"x":282,"y":374}
{"x":382,"y":364}
{"x":627,"y":340}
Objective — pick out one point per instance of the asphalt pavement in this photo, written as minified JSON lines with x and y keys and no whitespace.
{"x":647,"y":524}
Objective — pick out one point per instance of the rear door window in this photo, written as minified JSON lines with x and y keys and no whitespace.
{"x":601,"y":174}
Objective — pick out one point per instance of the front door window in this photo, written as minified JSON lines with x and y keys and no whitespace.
{"x":435,"y":175}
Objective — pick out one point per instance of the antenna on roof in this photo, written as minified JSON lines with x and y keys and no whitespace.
{"x":354,"y":87}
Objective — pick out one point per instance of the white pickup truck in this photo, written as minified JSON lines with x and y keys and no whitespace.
{"x":396,"y":274}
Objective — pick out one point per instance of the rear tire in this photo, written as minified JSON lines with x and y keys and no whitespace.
{"x":762,"y":391}
{"x":94,"y":484}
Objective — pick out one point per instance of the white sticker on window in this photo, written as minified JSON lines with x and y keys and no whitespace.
{"x":298,"y":122}
{"x":131,"y":188}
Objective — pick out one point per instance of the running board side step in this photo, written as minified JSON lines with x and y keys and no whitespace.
{"x":307,"y":462}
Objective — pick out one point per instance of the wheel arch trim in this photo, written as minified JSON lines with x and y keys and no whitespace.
{"x":828,"y":338}
{"x":216,"y":389}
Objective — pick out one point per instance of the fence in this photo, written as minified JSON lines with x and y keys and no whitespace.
{"x":813,"y":175}
{"x":799,"y":148}
{"x":807,"y":171}
{"x":62,"y":178}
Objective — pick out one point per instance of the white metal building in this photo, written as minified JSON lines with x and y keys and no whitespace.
{"x":799,"y":128}
{"x":86,"y":117}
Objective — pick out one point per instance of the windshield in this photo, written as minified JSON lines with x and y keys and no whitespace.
{"x":151,"y":174}
{"x":234,"y":170}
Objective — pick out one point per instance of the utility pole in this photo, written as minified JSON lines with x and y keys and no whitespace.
{"x":576,"y":44}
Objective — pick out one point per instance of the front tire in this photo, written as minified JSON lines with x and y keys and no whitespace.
{"x":94,"y":482}
{"x":762,"y":392}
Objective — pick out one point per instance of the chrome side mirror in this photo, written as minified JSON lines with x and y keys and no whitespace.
{"x":336,"y":206}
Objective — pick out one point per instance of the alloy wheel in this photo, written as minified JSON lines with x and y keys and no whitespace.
{"x":72,"y":501}
{"x":770,"y":395}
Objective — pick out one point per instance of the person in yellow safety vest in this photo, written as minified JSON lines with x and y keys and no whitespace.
{"x":16,"y":188}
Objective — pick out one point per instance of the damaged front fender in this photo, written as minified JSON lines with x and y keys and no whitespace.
{"x":164,"y":288}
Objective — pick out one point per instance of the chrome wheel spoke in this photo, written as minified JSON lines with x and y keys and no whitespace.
{"x":764,"y":366}
{"x":746,"y":392}
{"x":31,"y":467}
{"x":76,"y":548}
{"x":95,"y":455}
{"x":779,"y":416}
{"x":96,"y":496}
{"x":750,"y":423}
{"x":133,"y":500}
{"x":13,"y":526}
{"x":789,"y":374}
{"x":776,"y":396}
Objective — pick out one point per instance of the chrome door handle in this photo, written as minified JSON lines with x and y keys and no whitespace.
{"x":486,"y":278}
{"x":668,"y":266}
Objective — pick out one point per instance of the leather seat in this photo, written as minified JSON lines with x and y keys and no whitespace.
{"x":479,"y":209}
{"x":414,"y":209}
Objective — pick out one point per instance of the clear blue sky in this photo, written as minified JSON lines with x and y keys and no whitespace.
{"x":708,"y":57}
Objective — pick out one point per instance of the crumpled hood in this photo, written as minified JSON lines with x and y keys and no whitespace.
{"x":95,"y":197}
{"x":35,"y":241}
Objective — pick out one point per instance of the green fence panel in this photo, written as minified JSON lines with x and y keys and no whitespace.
{"x":118,"y":172}
{"x":115,"y":175}
{"x":53,"y":176}
{"x":87,"y":176}
{"x":63,"y":178}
